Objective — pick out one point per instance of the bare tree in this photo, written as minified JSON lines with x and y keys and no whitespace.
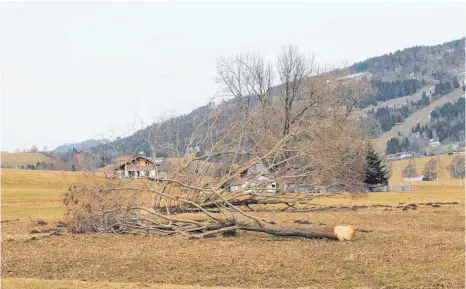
{"x":303,"y":87}
{"x":431,"y":169}
{"x":247,"y":78}
{"x":294,"y":69}
{"x":410,"y":170}
{"x":389,"y":166}
{"x":457,"y":168}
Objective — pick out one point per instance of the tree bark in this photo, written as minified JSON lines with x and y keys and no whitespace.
{"x":342,"y":233}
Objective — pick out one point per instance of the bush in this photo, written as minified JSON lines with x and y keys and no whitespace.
{"x":94,"y":207}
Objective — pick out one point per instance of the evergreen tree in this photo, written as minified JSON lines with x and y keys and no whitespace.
{"x":405,"y":143}
{"x":424,"y":100}
{"x":456,"y":83}
{"x":430,"y":134}
{"x":375,"y":172}
{"x":393,"y":146}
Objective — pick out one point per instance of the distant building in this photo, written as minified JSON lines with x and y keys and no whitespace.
{"x":415,"y":179}
{"x":404,"y":155}
{"x":399,"y":156}
{"x":391,"y":157}
{"x":132,"y":167}
{"x":254,"y":176}
{"x":434,"y":144}
{"x":160,"y":160}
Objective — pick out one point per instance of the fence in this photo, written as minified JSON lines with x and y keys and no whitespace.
{"x":402,"y":188}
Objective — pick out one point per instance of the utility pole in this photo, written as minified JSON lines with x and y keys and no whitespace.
{"x":437,"y":171}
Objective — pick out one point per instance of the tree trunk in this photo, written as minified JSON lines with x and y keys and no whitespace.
{"x":342,"y":233}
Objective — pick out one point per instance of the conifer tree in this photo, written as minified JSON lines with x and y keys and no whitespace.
{"x":375,"y":172}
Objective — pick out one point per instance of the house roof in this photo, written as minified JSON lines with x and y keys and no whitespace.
{"x":126,"y":160}
{"x":123,"y":158}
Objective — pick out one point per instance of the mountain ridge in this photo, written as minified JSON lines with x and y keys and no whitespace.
{"x":84,"y":145}
{"x":429,"y":64}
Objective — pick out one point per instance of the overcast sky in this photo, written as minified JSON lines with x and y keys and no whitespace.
{"x":74,"y":71}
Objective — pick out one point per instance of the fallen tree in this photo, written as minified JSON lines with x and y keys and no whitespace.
{"x":240,"y":156}
{"x":114,"y":210}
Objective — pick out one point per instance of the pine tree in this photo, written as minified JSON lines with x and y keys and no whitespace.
{"x":375,"y":172}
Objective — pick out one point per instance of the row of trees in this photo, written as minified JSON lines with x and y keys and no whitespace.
{"x":450,"y":110}
{"x":419,"y":60}
{"x":446,"y":86}
{"x":447,"y":123}
{"x":386,"y":90}
{"x":396,"y":145}
{"x":423,"y":129}
{"x":40,"y":166}
{"x":432,"y":169}
{"x":33,"y":149}
{"x":387,"y":117}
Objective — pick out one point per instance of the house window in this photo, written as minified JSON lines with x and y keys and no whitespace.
{"x":274,"y":186}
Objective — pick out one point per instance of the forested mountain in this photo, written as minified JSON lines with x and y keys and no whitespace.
{"x":176,"y":130}
{"x":387,"y":117}
{"x":429,"y":63}
{"x":386,"y":90}
{"x":393,"y":75}
{"x":446,"y":124}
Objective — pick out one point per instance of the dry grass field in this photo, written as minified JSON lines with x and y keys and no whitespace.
{"x":35,"y":193}
{"x":397,"y":245}
{"x":23,"y":159}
